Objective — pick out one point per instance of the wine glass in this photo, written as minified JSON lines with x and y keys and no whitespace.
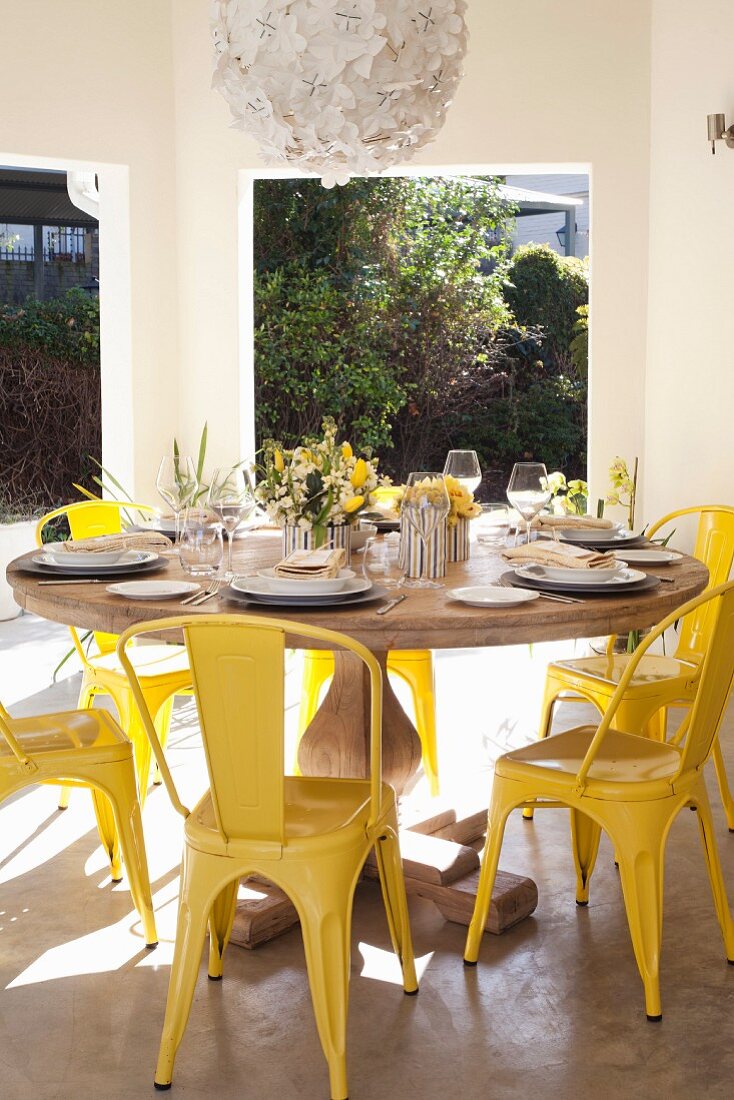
{"x":425,"y":505}
{"x":178,"y":484}
{"x":232,"y":498}
{"x":382,"y":561}
{"x":528,"y":490}
{"x":464,"y":466}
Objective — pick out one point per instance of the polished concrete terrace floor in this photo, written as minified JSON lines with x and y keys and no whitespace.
{"x":554,"y":1009}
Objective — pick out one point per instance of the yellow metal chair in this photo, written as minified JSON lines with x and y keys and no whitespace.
{"x":414,"y":666}
{"x":632,"y":787}
{"x":659,"y":682}
{"x":90,"y":747}
{"x":308,"y":836}
{"x":163,"y":669}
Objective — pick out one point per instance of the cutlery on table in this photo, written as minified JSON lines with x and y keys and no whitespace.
{"x":204,"y":597}
{"x":212,"y":588}
{"x":558,"y":599}
{"x":391,"y":604}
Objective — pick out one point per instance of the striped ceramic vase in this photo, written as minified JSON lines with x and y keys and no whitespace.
{"x":298,"y":538}
{"x":457,"y":541}
{"x":419,"y":560}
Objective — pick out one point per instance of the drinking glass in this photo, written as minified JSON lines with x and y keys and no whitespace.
{"x":178,"y":484}
{"x":232,"y":498}
{"x":200,"y":548}
{"x":464,"y":466}
{"x":493,"y":525}
{"x":425,"y":505}
{"x":528,"y":491}
{"x":381,"y":562}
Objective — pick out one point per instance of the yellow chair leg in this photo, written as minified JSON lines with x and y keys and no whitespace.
{"x":325,"y":926}
{"x":551,"y":692}
{"x":198,"y":884}
{"x":713,"y":866}
{"x":108,"y":833}
{"x":726,"y":798}
{"x":500,"y":808}
{"x":392,"y":883}
{"x":585,"y":836}
{"x":163,"y":725}
{"x":221,"y":919}
{"x":640,"y":850}
{"x":415,"y":667}
{"x":86,"y":700}
{"x":121,"y":790}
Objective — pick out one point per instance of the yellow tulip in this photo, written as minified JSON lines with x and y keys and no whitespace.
{"x":347,"y":451}
{"x":278,"y":461}
{"x":353,"y":505}
{"x":359,"y":473}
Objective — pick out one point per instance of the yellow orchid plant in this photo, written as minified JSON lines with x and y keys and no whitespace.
{"x":318,"y":484}
{"x":623,"y":488}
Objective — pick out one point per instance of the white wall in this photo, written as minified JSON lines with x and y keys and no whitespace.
{"x":91,"y":81}
{"x":690,"y":372}
{"x":112,"y":83}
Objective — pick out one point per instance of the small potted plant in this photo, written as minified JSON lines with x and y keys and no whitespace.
{"x":315,"y":491}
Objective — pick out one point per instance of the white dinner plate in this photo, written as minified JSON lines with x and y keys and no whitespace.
{"x":578,"y":576}
{"x":595,"y":534}
{"x":261,"y":586}
{"x":650,"y":557}
{"x":593,"y":577}
{"x":81,"y":557}
{"x":152,"y":590}
{"x":305,"y":586}
{"x":130,"y":559}
{"x":490,"y":595}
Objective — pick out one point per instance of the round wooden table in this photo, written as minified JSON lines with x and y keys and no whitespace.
{"x":336,"y":742}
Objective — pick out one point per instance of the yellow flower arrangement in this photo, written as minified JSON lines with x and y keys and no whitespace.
{"x":463,"y":505}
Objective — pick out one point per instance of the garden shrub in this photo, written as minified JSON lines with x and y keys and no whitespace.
{"x":546,"y":289}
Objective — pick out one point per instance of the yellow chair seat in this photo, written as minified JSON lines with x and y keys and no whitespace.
{"x":606,"y":672}
{"x":50,"y":734}
{"x":89,"y":748}
{"x":313,"y":810}
{"x":624,"y":766}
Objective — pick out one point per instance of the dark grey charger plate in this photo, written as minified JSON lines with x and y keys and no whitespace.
{"x":511,"y":578}
{"x":636,"y":543}
{"x":99,"y":574}
{"x":377,"y":592}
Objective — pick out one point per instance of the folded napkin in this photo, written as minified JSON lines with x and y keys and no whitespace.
{"x":311,"y":564}
{"x":548,"y":520}
{"x":125,"y":540}
{"x":559,"y":554}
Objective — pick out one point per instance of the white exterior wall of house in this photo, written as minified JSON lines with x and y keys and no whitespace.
{"x":543,"y":228}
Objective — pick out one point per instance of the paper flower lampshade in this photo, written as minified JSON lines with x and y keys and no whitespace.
{"x":339,"y":88}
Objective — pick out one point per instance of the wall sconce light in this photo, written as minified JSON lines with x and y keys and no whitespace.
{"x":717,"y":131}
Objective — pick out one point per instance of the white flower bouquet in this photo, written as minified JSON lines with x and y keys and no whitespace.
{"x":317,"y":485}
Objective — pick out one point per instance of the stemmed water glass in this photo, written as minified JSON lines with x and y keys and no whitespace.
{"x":425,"y":505}
{"x":528,"y":491}
{"x":232,"y":498}
{"x":178,"y":484}
{"x":464,"y":466}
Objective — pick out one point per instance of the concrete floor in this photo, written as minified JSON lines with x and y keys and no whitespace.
{"x":554,"y":1008}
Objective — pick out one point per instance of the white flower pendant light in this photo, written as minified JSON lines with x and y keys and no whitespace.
{"x":339,"y":87}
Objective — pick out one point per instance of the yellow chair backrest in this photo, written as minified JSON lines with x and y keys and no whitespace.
{"x":237,"y":672}
{"x":711,"y":681}
{"x":88,"y":518}
{"x":715,"y":548}
{"x":237,"y":665}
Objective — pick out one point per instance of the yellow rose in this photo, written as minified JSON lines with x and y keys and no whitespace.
{"x":353,"y":505}
{"x":359,"y":473}
{"x":278,"y":461}
{"x":347,"y":451}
